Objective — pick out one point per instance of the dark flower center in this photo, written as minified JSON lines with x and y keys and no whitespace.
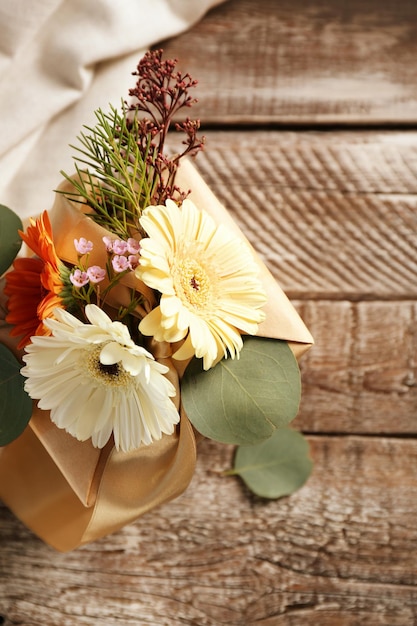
{"x":194,"y":284}
{"x":109,"y":370}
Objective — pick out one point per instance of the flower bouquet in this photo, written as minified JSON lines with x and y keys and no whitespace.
{"x":144,"y":320}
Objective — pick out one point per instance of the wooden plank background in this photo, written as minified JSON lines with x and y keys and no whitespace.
{"x":299,"y":62}
{"x":310,"y":114}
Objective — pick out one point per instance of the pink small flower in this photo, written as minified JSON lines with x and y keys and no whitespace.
{"x":83,"y":246}
{"x":133,"y":261}
{"x":108,"y":243}
{"x":120,"y":263}
{"x":119,"y":246}
{"x":133,"y":246}
{"x":79,"y":278}
{"x":96,"y":273}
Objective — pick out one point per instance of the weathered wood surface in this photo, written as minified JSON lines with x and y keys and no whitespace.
{"x":334,"y":215}
{"x":337,"y":553}
{"x":300,"y":62}
{"x":361,"y":375}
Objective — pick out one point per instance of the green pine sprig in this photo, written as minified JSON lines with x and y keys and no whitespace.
{"x":120,"y":163}
{"x":112,"y":176}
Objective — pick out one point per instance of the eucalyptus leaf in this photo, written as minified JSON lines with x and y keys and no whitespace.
{"x":10,"y":241}
{"x":276,"y":467}
{"x":243,"y":401}
{"x":15,"y":404}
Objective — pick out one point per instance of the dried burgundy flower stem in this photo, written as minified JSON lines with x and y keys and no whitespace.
{"x":160,"y":92}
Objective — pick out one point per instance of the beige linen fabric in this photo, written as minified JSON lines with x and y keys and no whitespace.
{"x":59,"y":61}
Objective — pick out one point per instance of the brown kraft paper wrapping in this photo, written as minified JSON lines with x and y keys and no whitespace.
{"x":70,"y":493}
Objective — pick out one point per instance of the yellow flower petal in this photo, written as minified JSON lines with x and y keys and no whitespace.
{"x":208,"y":280}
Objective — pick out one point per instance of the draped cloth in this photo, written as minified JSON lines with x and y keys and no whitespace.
{"x":60,"y":60}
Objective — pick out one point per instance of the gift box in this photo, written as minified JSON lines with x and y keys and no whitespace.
{"x":70,"y":491}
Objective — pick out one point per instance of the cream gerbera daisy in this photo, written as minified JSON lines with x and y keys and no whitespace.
{"x":208,"y":280}
{"x":96,"y":381}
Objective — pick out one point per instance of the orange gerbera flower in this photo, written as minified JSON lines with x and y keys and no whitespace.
{"x":34,"y":285}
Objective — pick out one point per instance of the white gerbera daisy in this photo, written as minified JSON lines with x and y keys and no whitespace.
{"x":208,"y":280}
{"x":96,"y":381}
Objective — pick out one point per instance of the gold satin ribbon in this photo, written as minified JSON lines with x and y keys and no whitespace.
{"x":130,"y":484}
{"x":68,"y":492}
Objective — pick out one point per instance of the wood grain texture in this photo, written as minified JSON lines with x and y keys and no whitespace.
{"x":361,"y":375}
{"x":332,"y":214}
{"x":334,"y":217}
{"x":336,"y":553}
{"x":298,"y":62}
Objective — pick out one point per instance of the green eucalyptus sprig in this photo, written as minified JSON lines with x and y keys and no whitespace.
{"x":249,"y":402}
{"x":15,"y":404}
